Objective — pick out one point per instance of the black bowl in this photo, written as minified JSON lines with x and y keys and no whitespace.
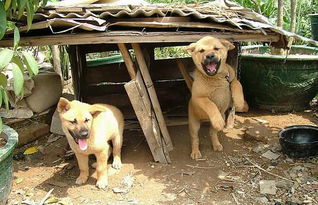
{"x":299,"y":141}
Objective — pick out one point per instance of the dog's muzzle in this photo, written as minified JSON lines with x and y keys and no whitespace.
{"x":80,"y":138}
{"x":211,"y":64}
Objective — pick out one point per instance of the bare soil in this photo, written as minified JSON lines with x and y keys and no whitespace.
{"x":225,"y":177}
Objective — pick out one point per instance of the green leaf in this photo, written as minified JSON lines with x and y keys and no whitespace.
{"x":1,"y":125}
{"x":30,"y":13}
{"x":5,"y":57}
{"x":21,"y":7}
{"x":7,"y":4}
{"x":14,"y":6}
{"x":5,"y":98}
{"x":18,"y":61}
{"x":16,"y":37}
{"x":3,"y":81}
{"x":0,"y":98}
{"x":31,"y":64}
{"x":3,"y":20}
{"x":18,"y":79}
{"x":44,"y":2}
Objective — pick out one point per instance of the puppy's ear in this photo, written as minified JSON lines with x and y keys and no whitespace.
{"x":96,"y":108}
{"x":63,"y":105}
{"x":227,"y":44}
{"x":190,"y":48}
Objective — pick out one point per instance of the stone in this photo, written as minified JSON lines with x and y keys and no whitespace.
{"x":56,"y":126}
{"x":32,"y":132}
{"x":267,"y":187}
{"x":257,"y":131}
{"x":261,"y":200}
{"x":271,"y":155}
{"x":46,"y":92}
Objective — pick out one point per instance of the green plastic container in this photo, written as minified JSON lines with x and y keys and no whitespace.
{"x":6,"y":165}
{"x":105,"y":61}
{"x":279,"y":82}
{"x":314,"y":26}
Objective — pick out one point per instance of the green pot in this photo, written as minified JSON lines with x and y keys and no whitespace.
{"x":6,"y":163}
{"x":314,"y":26}
{"x":279,"y":82}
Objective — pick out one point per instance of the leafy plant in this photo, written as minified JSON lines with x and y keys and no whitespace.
{"x":15,"y":59}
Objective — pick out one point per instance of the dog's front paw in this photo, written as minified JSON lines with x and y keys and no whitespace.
{"x":102,"y":183}
{"x":217,"y":147}
{"x":196,"y":155}
{"x":117,"y":164}
{"x":81,"y":180}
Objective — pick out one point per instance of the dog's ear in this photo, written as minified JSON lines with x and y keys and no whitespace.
{"x":96,"y":108}
{"x":227,"y":44}
{"x":190,"y":48}
{"x":63,"y":105}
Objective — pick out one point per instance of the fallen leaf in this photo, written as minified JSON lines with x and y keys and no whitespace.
{"x":31,"y":150}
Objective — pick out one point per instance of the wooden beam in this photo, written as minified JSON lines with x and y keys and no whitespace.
{"x":128,"y":61}
{"x":152,"y":94}
{"x":141,"y":103}
{"x":134,"y":37}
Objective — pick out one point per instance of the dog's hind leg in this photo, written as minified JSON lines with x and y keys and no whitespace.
{"x":117,"y":144}
{"x":217,"y":146}
{"x":194,"y":126}
{"x":82,"y":161}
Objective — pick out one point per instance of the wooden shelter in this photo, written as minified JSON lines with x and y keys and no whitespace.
{"x":139,"y":30}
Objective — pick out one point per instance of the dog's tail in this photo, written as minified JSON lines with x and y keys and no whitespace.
{"x":188,"y":79}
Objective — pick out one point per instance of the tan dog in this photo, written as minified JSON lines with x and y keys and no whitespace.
{"x":214,"y":89}
{"x":88,"y":128}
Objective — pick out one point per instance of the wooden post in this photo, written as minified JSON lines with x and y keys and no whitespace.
{"x":153,"y":96}
{"x":56,"y":60}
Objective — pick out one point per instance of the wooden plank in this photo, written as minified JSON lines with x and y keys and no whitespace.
{"x":134,"y":37}
{"x":128,"y":61}
{"x":152,"y":94}
{"x":142,"y":106}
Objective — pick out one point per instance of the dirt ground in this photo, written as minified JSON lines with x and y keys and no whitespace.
{"x":226,"y":177}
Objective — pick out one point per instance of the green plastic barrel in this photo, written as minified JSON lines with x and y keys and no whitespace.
{"x":6,"y":163}
{"x":279,"y":82}
{"x":314,"y":26}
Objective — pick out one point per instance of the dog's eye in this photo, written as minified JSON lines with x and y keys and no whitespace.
{"x":86,"y":120}
{"x":216,"y":49}
{"x":73,"y":121}
{"x":201,"y":50}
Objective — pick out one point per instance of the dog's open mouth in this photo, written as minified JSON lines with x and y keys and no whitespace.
{"x":212,"y":67}
{"x":82,"y":143}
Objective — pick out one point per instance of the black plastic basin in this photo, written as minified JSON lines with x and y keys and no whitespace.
{"x":299,"y":141}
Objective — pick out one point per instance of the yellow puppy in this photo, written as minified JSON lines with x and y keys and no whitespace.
{"x":88,"y":129}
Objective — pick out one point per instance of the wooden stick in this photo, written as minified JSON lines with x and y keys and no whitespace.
{"x":235,"y":199}
{"x":198,"y":167}
{"x":259,"y":167}
{"x":128,"y":61}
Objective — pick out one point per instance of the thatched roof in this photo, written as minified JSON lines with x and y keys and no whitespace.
{"x":221,"y":18}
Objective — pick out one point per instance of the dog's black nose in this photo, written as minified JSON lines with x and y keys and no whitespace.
{"x":210,"y":56}
{"x":83,"y":133}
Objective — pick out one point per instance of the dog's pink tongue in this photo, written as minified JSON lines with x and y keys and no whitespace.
{"x":82,"y":144}
{"x":212,"y":67}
